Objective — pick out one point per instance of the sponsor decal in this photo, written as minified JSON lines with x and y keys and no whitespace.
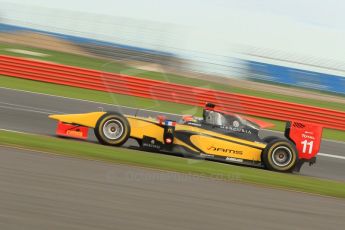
{"x":237,"y":129}
{"x":170,"y":123}
{"x":225,"y":150}
{"x":194,"y":124}
{"x":236,"y":124}
{"x":74,"y":133}
{"x":151,"y":144}
{"x":308,"y":136}
{"x":205,"y":155}
{"x":233,"y":159}
{"x":148,"y":145}
{"x":169,"y":130}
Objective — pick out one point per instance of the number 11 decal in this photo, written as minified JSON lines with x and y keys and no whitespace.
{"x":305,"y":144}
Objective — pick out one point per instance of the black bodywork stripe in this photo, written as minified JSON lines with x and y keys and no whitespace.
{"x":189,"y":133}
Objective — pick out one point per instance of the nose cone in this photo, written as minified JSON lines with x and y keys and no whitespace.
{"x":84,"y":119}
{"x":55,"y":116}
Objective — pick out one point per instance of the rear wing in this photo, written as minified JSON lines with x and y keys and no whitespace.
{"x":306,"y":136}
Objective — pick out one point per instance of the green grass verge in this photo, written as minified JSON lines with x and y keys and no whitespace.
{"x":96,"y":96}
{"x":105,"y":65}
{"x":171,"y":163}
{"x":124,"y":100}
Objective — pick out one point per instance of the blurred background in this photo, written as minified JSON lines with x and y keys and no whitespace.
{"x":287,"y":47}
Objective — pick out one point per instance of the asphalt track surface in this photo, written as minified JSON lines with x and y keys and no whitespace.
{"x":24,"y":111}
{"x":45,"y":191}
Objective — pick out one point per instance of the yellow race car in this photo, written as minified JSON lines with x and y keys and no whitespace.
{"x":217,"y":136}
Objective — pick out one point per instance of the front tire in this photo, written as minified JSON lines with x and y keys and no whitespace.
{"x":112,"y":129}
{"x":280,"y":155}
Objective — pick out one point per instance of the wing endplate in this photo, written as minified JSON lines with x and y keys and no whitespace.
{"x":306,"y":136}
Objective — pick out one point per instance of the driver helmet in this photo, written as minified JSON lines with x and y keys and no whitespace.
{"x":210,"y":116}
{"x":213,"y":118}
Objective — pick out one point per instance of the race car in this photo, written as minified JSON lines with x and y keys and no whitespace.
{"x":217,"y":136}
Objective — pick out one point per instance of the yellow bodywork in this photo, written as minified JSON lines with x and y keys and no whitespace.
{"x":201,"y":140}
{"x":84,"y":119}
{"x":220,"y":147}
{"x":145,"y":126}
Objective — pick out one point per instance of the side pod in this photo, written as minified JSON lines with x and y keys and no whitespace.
{"x":307,"y":138}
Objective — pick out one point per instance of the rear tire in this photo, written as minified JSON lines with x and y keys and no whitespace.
{"x":280,"y":155}
{"x":112,"y":129}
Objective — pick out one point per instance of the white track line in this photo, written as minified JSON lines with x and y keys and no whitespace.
{"x":331,"y":155}
{"x":84,"y":100}
{"x":28,"y":107}
{"x":14,"y":131}
{"x":23,"y":109}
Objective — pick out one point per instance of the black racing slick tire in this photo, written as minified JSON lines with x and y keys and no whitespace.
{"x":112,"y":129}
{"x":280,"y":155}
